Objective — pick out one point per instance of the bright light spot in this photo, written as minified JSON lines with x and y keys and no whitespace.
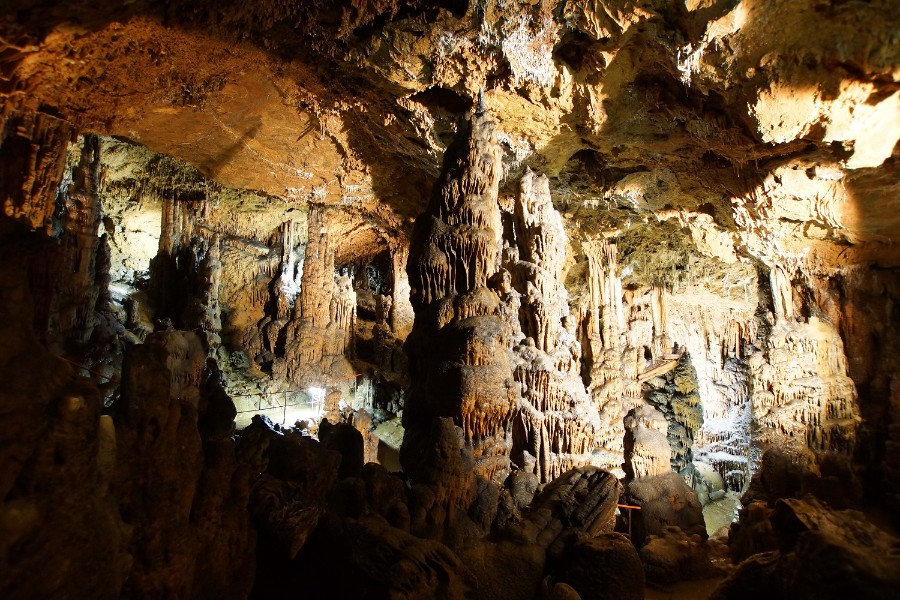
{"x":317,"y":393}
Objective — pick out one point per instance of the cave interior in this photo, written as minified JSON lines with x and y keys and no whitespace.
{"x":527,"y":299}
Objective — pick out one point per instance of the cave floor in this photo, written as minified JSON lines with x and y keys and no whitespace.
{"x":720,"y":513}
{"x":685,"y":590}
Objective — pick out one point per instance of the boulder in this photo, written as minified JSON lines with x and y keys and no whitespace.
{"x":665,"y":500}
{"x":674,"y":556}
{"x":822,"y":553}
{"x":605,"y":567}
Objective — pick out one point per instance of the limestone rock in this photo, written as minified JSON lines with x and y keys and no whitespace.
{"x":808,"y":405}
{"x":673,"y":556}
{"x":166,"y":471}
{"x":60,"y":527}
{"x":473,"y":308}
{"x":665,"y":500}
{"x":291,"y":477}
{"x":679,"y":401}
{"x":319,"y":334}
{"x":647,"y":450}
{"x":459,"y":348}
{"x":557,"y":423}
{"x":34,"y":157}
{"x":579,"y":505}
{"x":601,"y":567}
{"x":821,"y":553}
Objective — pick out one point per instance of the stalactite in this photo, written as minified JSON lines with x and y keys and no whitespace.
{"x":32,"y":159}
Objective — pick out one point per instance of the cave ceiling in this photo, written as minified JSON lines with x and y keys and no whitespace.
{"x":752,"y":129}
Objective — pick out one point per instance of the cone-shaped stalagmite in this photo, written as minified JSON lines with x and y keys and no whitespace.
{"x":489,"y":348}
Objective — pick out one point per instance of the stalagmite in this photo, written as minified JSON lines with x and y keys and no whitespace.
{"x":601,"y":340}
{"x":460,"y":348}
{"x":489,"y":346}
{"x":319,"y":335}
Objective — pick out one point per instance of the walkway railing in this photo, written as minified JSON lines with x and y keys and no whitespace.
{"x":284,"y":405}
{"x":630,"y":509}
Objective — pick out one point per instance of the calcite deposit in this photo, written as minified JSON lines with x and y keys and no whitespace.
{"x":401,"y":299}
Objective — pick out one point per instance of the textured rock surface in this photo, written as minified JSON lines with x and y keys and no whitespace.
{"x":60,"y":526}
{"x":606,"y":566}
{"x":177,"y":479}
{"x":674,"y":556}
{"x":665,"y":500}
{"x":820,"y":553}
{"x":647,"y":450}
{"x":646,"y":118}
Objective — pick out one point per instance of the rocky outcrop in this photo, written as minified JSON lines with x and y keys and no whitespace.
{"x":820,"y":553}
{"x":602,"y":567}
{"x":806,"y":401}
{"x":600,"y":341}
{"x":573,"y":516}
{"x":726,"y":180}
{"x":675,"y":395}
{"x":291,"y":477}
{"x":185,"y":275}
{"x":34,"y":158}
{"x":177,"y":480}
{"x":673,"y":556}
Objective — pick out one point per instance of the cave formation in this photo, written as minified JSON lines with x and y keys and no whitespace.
{"x":494,"y":299}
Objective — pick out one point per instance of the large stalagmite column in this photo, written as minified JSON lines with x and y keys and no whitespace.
{"x":319,"y":337}
{"x":459,"y":346}
{"x":489,"y":347}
